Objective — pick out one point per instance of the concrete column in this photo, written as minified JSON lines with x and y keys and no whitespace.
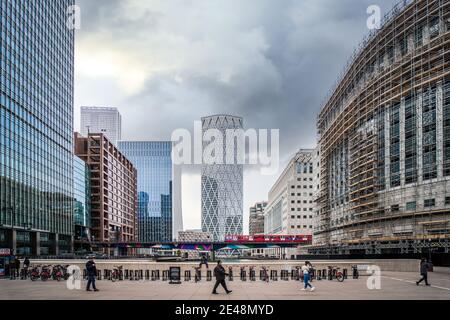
{"x":72,"y":243}
{"x":14,"y":241}
{"x":402,"y":142}
{"x":419,"y":103}
{"x":439,"y":131}
{"x":387,"y":148}
{"x":56,"y":245}
{"x":37,"y":244}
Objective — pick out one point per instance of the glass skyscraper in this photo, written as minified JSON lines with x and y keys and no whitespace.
{"x":153,"y":161}
{"x":222,"y":186}
{"x":36,"y":126}
{"x":81,"y":197}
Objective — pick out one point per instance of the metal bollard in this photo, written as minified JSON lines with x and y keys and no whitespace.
{"x":330,"y":274}
{"x":319,"y":274}
{"x":345,"y":273}
{"x":131,"y":275}
{"x":324,"y":274}
{"x":147,"y":274}
{"x":209,"y":275}
{"x":230,"y":274}
{"x":187,"y":275}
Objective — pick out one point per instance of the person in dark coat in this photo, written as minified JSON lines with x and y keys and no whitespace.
{"x":424,"y":266}
{"x":91,"y":271}
{"x":204,"y":261}
{"x":17,"y":263}
{"x":26,"y":265}
{"x":219,"y":273}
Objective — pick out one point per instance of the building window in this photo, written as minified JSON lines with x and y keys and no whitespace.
{"x":429,"y":203}
{"x":395,"y":208}
{"x":447,"y":200}
{"x":411,"y":206}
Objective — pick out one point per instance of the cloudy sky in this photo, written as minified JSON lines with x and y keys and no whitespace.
{"x":166,"y":63}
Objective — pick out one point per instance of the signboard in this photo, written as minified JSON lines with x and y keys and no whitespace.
{"x":4,"y":252}
{"x":175,"y":275}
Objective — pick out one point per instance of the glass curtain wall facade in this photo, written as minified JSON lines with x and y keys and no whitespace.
{"x":222,"y":185}
{"x":36,"y":125}
{"x":153,"y":161}
{"x":82,"y":201}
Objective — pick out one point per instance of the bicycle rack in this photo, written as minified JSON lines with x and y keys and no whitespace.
{"x":319,"y":274}
{"x":147,"y":274}
{"x":155,"y":275}
{"x":243,"y":275}
{"x":165,"y":276}
{"x":198,"y":275}
{"x":263,"y":276}
{"x":284,"y":275}
{"x":274,"y":275}
{"x":252,"y":275}
{"x":99,"y":274}
{"x":330,"y":274}
{"x":187,"y":275}
{"x":345,"y":273}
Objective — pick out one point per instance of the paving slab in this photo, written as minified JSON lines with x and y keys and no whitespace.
{"x":393,"y":285}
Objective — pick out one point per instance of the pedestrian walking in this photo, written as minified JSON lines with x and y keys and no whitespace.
{"x":91,"y":271}
{"x":424,"y":266}
{"x":219,"y":273}
{"x":307,"y":268}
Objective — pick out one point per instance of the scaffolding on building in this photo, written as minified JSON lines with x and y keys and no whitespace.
{"x":378,"y":135}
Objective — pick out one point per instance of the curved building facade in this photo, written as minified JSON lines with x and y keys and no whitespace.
{"x":222,"y":184}
{"x":385,"y":139}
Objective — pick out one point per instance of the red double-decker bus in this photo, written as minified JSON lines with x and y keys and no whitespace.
{"x":301,"y":239}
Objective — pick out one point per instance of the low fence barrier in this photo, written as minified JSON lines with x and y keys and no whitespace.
{"x":245,"y":274}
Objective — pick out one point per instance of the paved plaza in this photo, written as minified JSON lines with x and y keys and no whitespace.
{"x":394,"y":285}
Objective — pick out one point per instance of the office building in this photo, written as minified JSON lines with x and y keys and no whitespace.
{"x":36,"y":127}
{"x":82,"y":199}
{"x":113,"y":189}
{"x":290,"y":210}
{"x":385,"y":140}
{"x":102,"y":120}
{"x":256,"y":219}
{"x":157,"y":182}
{"x":222,"y":185}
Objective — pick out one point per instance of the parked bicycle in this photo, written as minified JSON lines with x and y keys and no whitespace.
{"x":45,"y":273}
{"x":335,"y":273}
{"x":117,"y":273}
{"x":35,"y":273}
